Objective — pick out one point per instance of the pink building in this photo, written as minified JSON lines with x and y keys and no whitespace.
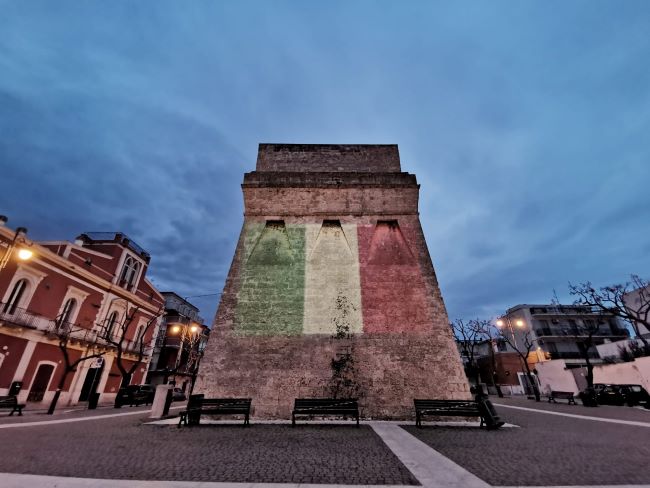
{"x":95,"y":286}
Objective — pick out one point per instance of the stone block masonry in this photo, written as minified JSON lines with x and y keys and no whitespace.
{"x":331,"y":291}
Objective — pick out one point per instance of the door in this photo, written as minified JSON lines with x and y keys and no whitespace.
{"x":41,"y":382}
{"x":93,"y":375}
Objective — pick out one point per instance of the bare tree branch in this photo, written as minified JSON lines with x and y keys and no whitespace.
{"x":629,"y":301}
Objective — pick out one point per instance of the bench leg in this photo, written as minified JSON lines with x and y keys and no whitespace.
{"x":357,"y":420}
{"x":418,"y":421}
{"x":293,"y":419}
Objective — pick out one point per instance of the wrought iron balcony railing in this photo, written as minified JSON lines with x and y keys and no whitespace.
{"x":11,"y":314}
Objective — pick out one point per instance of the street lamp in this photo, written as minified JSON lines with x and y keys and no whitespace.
{"x":18,"y":242}
{"x":188,"y":335}
{"x":519,"y":323}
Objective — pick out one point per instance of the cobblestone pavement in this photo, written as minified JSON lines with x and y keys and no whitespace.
{"x":548,"y":449}
{"x":124,"y":448}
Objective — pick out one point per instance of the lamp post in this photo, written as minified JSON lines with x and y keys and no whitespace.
{"x":19,"y":242}
{"x":519,"y":323}
{"x":189,"y":334}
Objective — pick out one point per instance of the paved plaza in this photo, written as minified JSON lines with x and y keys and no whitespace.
{"x":543,"y":445}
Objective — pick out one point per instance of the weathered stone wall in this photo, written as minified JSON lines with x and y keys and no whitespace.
{"x":316,"y":279}
{"x":376,"y":158}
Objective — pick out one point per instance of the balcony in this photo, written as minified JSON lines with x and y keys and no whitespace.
{"x":73,"y":331}
{"x":578,"y":332}
{"x":177,"y":319}
{"x":562,"y":311}
{"x":24,"y":318}
{"x":572,"y":355}
{"x":21,"y":317}
{"x":172,"y":342}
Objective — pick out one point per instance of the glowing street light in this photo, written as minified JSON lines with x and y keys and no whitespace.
{"x":25,"y":254}
{"x":519,"y":323}
{"x":19,"y":242}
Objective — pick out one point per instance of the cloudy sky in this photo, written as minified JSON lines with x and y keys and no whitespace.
{"x":527,"y":124}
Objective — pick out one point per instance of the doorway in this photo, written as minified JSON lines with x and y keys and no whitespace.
{"x":93,"y":375}
{"x":40,"y":383}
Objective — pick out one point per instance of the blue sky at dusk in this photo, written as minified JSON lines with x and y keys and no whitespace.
{"x":527,"y":124}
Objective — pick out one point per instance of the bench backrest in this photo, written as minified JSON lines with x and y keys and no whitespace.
{"x":562,"y":394}
{"x":243,"y":403}
{"x":332,"y":403}
{"x":459,"y":406}
{"x":8,"y":401}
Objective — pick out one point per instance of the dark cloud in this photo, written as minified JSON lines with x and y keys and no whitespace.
{"x":525,"y":123}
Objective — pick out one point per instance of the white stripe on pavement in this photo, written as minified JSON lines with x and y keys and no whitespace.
{"x":573,"y":415}
{"x":77,"y":419}
{"x":431,"y":468}
{"x":10,"y":480}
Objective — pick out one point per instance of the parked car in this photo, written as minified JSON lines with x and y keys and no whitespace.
{"x":178,"y":395}
{"x":147,"y":392}
{"x":628,"y":394}
{"x":636,"y":395}
{"x":135,"y":395}
{"x":610,"y":395}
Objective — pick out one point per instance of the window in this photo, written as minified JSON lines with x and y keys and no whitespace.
{"x":15,"y":297}
{"x":110,"y":324}
{"x":129,"y":273}
{"x":139,"y":334}
{"x":68,"y":310}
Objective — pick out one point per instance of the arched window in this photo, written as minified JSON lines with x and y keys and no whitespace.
{"x":139,"y":333}
{"x":110,"y":324}
{"x":129,"y":272}
{"x":14,"y":299}
{"x":68,"y":310}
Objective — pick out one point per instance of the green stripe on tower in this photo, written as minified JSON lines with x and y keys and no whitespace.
{"x":271,"y":296}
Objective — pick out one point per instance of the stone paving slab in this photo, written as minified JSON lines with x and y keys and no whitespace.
{"x":635,"y":414}
{"x":431,"y":468}
{"x":124,"y":448}
{"x":547,"y":450}
{"x":11,"y":480}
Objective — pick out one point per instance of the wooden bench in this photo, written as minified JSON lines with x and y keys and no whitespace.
{"x":198,"y":405}
{"x":458,"y":408}
{"x":11,"y":402}
{"x":562,"y":395}
{"x":325,"y":406}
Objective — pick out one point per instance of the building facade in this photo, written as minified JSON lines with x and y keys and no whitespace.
{"x":331,"y":291}
{"x":180,"y":345}
{"x":560,"y":331}
{"x":94,"y":293}
{"x":637,"y":303}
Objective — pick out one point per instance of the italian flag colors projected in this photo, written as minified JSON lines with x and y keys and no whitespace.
{"x":328,"y":277}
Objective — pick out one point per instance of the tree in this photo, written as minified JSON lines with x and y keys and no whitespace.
{"x":522,"y":348}
{"x":66,"y":332}
{"x":491,"y":334}
{"x":629,"y":301}
{"x":117,"y":338}
{"x":188,"y":357}
{"x":468,"y":336}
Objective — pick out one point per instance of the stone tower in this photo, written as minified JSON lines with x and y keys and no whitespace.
{"x":331,"y":291}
